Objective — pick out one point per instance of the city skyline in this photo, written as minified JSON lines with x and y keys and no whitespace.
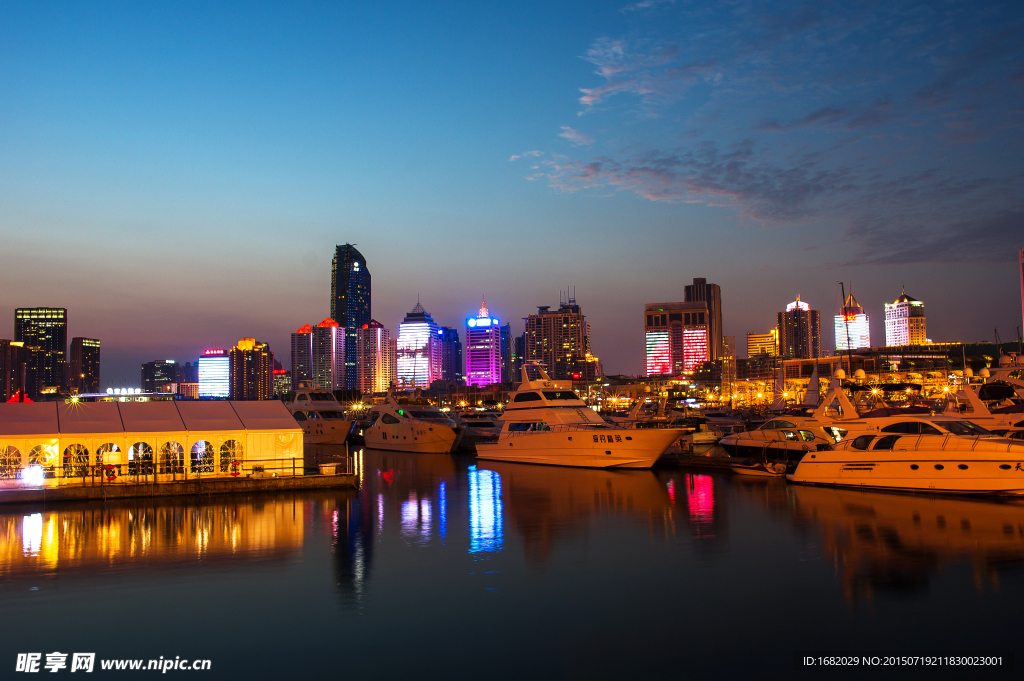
{"x":770,"y":148}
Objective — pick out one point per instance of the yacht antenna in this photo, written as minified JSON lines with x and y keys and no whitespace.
{"x":846,"y":324}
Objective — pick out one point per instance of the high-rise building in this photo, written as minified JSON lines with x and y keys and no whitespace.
{"x":728,"y":368}
{"x":852,"y":324}
{"x":1020,"y":258}
{"x":214,"y":373}
{"x":374,"y":358}
{"x":282,"y":382}
{"x":518,"y":356}
{"x":17,"y":373}
{"x":44,"y":330}
{"x":419,"y":350}
{"x":350,"y":302}
{"x":302,"y":356}
{"x":799,"y":331}
{"x":252,"y":370}
{"x":159,"y":376}
{"x":507,"y":350}
{"x":763,"y":343}
{"x":560,"y":339}
{"x":905,"y":321}
{"x":682,"y":335}
{"x":329,"y":357}
{"x":483,"y":348}
{"x":451,"y":355}
{"x":85,"y":364}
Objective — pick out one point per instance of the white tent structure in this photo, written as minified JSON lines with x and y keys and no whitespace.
{"x":51,"y":444}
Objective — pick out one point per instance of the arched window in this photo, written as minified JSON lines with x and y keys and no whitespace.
{"x":172,"y":458}
{"x":140,"y":459}
{"x":45,"y":456}
{"x":229,"y":451}
{"x":76,"y":461}
{"x":108,"y":453}
{"x":10,"y":462}
{"x":202,"y":457}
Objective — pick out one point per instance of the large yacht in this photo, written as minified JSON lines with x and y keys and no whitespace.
{"x":411,"y":426}
{"x":546,"y":422}
{"x":918,"y":453}
{"x":322,"y":419}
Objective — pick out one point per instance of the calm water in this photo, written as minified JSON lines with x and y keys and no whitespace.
{"x":443,"y":567}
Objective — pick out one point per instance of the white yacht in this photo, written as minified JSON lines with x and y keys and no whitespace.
{"x":546,"y":422}
{"x":322,"y":419}
{"x":918,"y":453}
{"x":411,"y":426}
{"x":478,"y":427}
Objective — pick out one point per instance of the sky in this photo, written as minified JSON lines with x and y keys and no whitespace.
{"x":177,"y":175}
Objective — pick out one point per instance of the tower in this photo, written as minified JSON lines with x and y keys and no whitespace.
{"x":350,"y":301}
{"x":905,"y":321}
{"x":852,"y":323}
{"x":302,"y":356}
{"x":483,"y":348}
{"x":85,"y":364}
{"x":419,"y":350}
{"x":374,"y":357}
{"x":44,"y":331}
{"x":252,"y":367}
{"x":799,"y":335}
{"x":328,"y":358}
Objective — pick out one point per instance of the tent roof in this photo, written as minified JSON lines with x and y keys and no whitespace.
{"x":24,"y":418}
{"x":89,"y":417}
{"x":265,"y":415}
{"x":150,"y":417}
{"x":208,"y":416}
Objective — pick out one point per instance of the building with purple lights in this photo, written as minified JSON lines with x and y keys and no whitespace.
{"x":483,"y":348}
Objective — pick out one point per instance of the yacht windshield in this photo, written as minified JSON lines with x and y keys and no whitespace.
{"x":964,"y":428}
{"x":321,"y":397}
{"x":561,"y":395}
{"x":332,"y":415}
{"x":433,"y":415}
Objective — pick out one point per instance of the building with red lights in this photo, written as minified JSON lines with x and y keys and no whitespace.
{"x":302,"y":356}
{"x":328,"y":356}
{"x":681,"y":336}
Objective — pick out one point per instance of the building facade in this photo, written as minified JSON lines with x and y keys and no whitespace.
{"x":159,"y":376}
{"x":763,"y":343}
{"x":419,"y":350}
{"x":680,"y":336}
{"x":252,"y":370}
{"x":851,"y":326}
{"x":85,"y":364}
{"x":44,"y":330}
{"x":17,"y":372}
{"x":452,"y":365}
{"x":483,"y":348}
{"x":350,"y":301}
{"x":905,"y":321}
{"x":329,"y":360}
{"x":560,"y":340}
{"x":799,"y":331}
{"x":214,"y":369}
{"x":374,"y":358}
{"x":302,"y":356}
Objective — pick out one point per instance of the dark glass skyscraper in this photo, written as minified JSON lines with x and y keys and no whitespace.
{"x":85,"y":364}
{"x":350,"y":302}
{"x":45,"y":331}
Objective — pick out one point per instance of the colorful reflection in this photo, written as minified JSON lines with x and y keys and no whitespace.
{"x":700,"y":501}
{"x":486,"y":532}
{"x":442,"y":510}
{"x":416,"y":518}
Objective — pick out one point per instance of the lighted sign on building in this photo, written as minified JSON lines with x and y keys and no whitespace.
{"x":659,"y":353}
{"x":852,"y":324}
{"x":695,"y":348}
{"x":483,"y":348}
{"x":214,"y":374}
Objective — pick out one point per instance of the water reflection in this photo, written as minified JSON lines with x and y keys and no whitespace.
{"x":87,"y":536}
{"x":486,"y":524}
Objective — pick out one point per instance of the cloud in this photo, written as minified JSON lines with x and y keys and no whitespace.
{"x":877,"y":113}
{"x":646,"y":4}
{"x":575,"y":136}
{"x":516,"y":157}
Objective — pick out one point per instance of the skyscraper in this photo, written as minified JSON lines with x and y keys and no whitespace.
{"x":763,"y":343}
{"x":329,"y":357}
{"x":682,"y":335}
{"x":560,"y":339}
{"x":852,"y":323}
{"x":44,"y":330}
{"x":302,"y":355}
{"x":452,"y":366}
{"x":85,"y":364}
{"x":905,"y":321}
{"x":799,"y":331}
{"x":159,"y":375}
{"x":17,"y":376}
{"x":419,"y":350}
{"x":374,"y":357}
{"x":252,"y":370}
{"x":350,"y":301}
{"x":214,"y":369}
{"x":483,"y":348}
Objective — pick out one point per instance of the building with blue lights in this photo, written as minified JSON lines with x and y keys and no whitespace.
{"x":418,"y":350}
{"x":214,"y":374}
{"x":483,"y":348}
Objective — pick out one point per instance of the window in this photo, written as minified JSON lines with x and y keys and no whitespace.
{"x":771,"y":425}
{"x":172,"y":458}
{"x":560,"y":395}
{"x":105,"y":454}
{"x":10,"y":462}
{"x":229,"y":451}
{"x":527,"y":397}
{"x":807,"y":435}
{"x":965,"y":428}
{"x":431,"y":415}
{"x":140,"y":459}
{"x":332,"y":415}
{"x":862,"y":442}
{"x":908,"y":427}
{"x":389,"y":419}
{"x":76,"y":461}
{"x":300,"y":416}
{"x":790,"y":435}
{"x":784,"y":424}
{"x":520,"y":427}
{"x":201,"y":459}
{"x":886,"y":442}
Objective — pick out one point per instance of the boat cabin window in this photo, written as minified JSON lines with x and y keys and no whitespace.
{"x":389,"y":419}
{"x":300,"y":416}
{"x":862,"y":442}
{"x":912,"y":428}
{"x":837,"y":433}
{"x":886,"y":442}
{"x":432,"y":415}
{"x":311,"y":415}
{"x":527,"y":397}
{"x":775,"y":425}
{"x":807,"y":436}
{"x":523,"y":427}
{"x":1019,"y":424}
{"x":965,"y":428}
{"x":561,"y":395}
{"x":322,"y":397}
{"x":790,"y":435}
{"x":332,"y":415}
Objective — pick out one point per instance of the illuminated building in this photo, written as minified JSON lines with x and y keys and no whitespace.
{"x":1020,"y":258}
{"x":419,"y":350}
{"x":159,"y":376}
{"x":214,"y":374}
{"x":189,"y":390}
{"x":682,"y":335}
{"x":17,"y":375}
{"x":799,"y":331}
{"x":763,"y":343}
{"x":451,"y":355}
{"x":852,"y":323}
{"x":905,"y":322}
{"x":282,"y":382}
{"x":302,"y":356}
{"x":483,"y":348}
{"x":350,"y":302}
{"x":560,"y":340}
{"x":328,"y":356}
{"x":374,"y":358}
{"x":44,"y":330}
{"x":252,"y":367}
{"x":85,"y":364}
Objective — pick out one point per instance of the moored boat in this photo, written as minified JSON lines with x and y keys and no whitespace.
{"x":411,"y":426}
{"x":322,"y":419}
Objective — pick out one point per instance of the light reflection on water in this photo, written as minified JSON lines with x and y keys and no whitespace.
{"x":486,"y":523}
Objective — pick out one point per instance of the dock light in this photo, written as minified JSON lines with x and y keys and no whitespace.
{"x":33,"y":476}
{"x":874,"y":391}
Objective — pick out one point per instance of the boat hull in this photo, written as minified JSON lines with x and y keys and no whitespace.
{"x":412,"y":437}
{"x":582,"y":448}
{"x":326,"y":432}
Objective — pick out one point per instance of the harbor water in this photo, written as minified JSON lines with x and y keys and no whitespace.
{"x":443,"y":566}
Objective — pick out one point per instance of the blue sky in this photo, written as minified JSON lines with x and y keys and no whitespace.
{"x":177,"y":175}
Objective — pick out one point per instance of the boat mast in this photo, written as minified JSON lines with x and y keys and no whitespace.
{"x":846,"y":324}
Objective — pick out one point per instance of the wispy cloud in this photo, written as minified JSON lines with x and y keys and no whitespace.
{"x":525,"y":154}
{"x":575,"y":136}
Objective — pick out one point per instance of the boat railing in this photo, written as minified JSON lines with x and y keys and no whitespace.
{"x":560,"y":428}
